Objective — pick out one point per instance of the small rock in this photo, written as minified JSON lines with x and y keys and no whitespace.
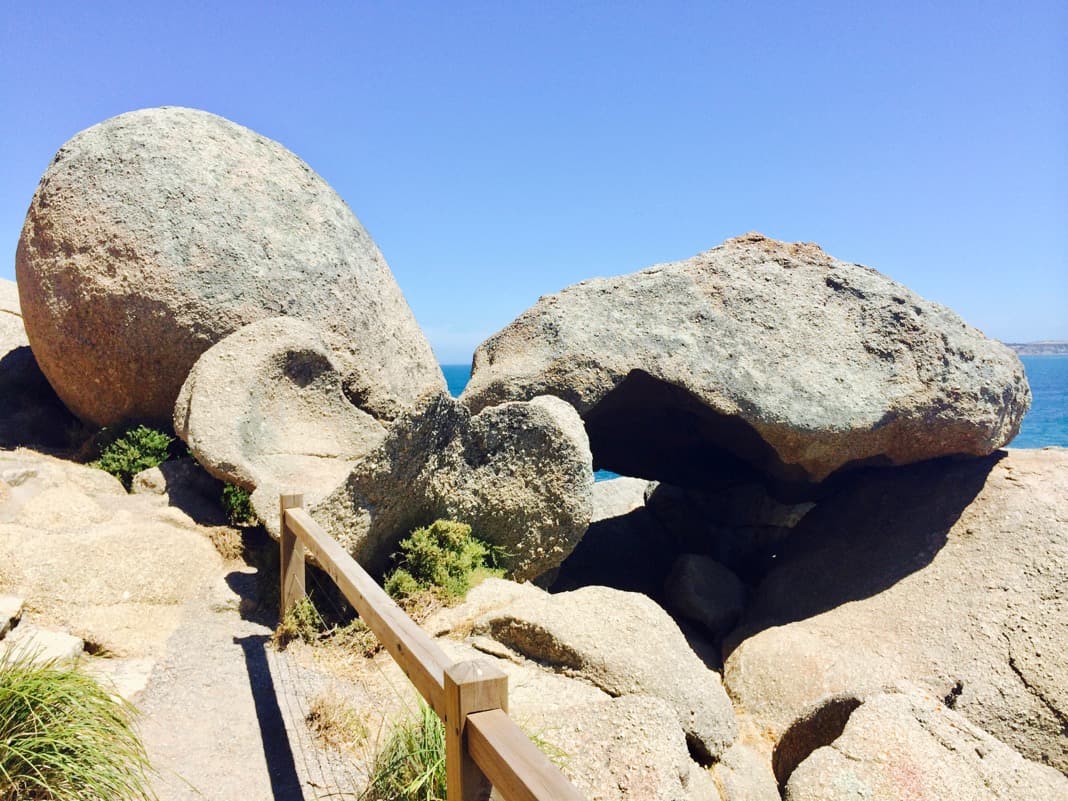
{"x":10,"y":613}
{"x":41,"y":644}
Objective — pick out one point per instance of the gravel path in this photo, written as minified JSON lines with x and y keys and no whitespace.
{"x":223,"y":715}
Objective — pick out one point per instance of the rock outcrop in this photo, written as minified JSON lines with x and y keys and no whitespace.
{"x":907,"y":744}
{"x":949,"y":575}
{"x":519,"y":474}
{"x":155,"y":234}
{"x":624,"y":644}
{"x":111,"y":568}
{"x":264,"y":409}
{"x":757,"y":356}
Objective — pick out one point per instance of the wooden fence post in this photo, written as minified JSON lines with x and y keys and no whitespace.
{"x":291,"y":550}
{"x":475,"y":686}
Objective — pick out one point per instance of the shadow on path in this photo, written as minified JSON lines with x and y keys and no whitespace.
{"x":285,"y":783}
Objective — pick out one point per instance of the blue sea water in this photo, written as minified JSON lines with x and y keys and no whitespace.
{"x":1046,"y":423}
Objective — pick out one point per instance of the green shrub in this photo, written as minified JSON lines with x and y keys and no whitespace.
{"x":411,"y":766}
{"x":238,"y":506}
{"x":63,"y":737}
{"x":134,"y":450}
{"x":442,"y":558}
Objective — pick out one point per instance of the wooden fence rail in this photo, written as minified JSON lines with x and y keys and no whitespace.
{"x":483,"y":746}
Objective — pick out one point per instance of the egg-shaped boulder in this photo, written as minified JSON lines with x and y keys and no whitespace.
{"x":155,"y":234}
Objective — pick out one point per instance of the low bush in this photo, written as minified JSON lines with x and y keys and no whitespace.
{"x":237,"y":504}
{"x":442,"y":559}
{"x":135,"y":449}
{"x":63,"y":737}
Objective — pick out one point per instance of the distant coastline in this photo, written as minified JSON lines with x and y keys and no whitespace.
{"x":1056,"y":347}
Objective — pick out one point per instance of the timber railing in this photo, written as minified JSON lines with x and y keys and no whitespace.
{"x":483,"y":746}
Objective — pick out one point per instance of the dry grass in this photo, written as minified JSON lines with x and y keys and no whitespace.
{"x":336,"y":722}
{"x":229,"y":542}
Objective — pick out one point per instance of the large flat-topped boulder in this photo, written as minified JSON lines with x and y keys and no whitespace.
{"x":156,"y":233}
{"x":519,"y":474}
{"x":759,"y":355}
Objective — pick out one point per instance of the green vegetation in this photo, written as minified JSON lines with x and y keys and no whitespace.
{"x":442,"y":559}
{"x":411,"y":766}
{"x":132,"y":451}
{"x":238,"y":506}
{"x":63,"y":737}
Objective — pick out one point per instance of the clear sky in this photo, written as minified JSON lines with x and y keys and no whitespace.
{"x":498,"y":151}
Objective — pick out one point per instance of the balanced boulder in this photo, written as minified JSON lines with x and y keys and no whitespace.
{"x":155,"y":234}
{"x":759,"y":356}
{"x":948,"y":575}
{"x":519,"y":474}
{"x":264,"y":409}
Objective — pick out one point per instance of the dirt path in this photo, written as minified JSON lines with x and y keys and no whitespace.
{"x":223,"y":715}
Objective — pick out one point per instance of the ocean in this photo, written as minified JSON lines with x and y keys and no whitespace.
{"x":1045,"y":424}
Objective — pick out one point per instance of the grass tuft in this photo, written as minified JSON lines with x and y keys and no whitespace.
{"x":411,"y":765}
{"x":63,"y":737}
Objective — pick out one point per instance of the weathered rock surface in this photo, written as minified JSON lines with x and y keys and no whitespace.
{"x":617,"y":496}
{"x":950,"y":575}
{"x":626,"y":645}
{"x":264,"y":409}
{"x":41,"y":645}
{"x":706,"y":592}
{"x":156,"y":233}
{"x":900,"y":746}
{"x":757,"y":355}
{"x":108,"y":567}
{"x":640,"y":750}
{"x":742,"y":775}
{"x":30,"y":412}
{"x":519,"y":474}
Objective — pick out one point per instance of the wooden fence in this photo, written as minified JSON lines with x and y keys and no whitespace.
{"x":483,"y":746}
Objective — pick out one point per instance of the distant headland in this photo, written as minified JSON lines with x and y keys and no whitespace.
{"x":1049,"y":347}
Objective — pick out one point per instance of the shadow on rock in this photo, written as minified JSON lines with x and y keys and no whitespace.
{"x":882,"y":526}
{"x":31,"y":414}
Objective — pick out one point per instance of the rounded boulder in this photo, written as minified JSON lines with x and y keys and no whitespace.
{"x":157,"y":233}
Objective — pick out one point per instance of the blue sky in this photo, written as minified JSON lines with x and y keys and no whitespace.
{"x":500,"y":151}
